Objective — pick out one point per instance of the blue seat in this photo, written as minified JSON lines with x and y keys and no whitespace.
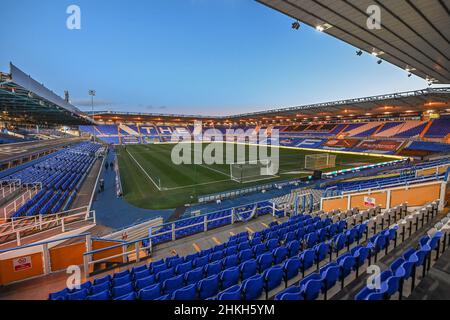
{"x":291,"y":293}
{"x":291,"y":268}
{"x":183,"y":267}
{"x":404,"y":272}
{"x":360,"y":231}
{"x":351,"y":236}
{"x":99,"y":288}
{"x":330,"y":275}
{"x":377,"y":244}
{"x":311,"y":286}
{"x":232,"y":293}
{"x":339,"y":243}
{"x":255,"y":241}
{"x":346,"y":264}
{"x":311,"y":239}
{"x":360,"y":255}
{"x":121,"y":274}
{"x":103,"y":295}
{"x":157,"y":268}
{"x":150,"y":293}
{"x":419,"y":258}
{"x":245,"y":255}
{"x":390,"y":286}
{"x":322,"y":234}
{"x":229,"y":277}
{"x":364,"y":293}
{"x":191,"y":257}
{"x":307,"y":259}
{"x":294,"y":248}
{"x":193,"y":276}
{"x":231,"y":250}
{"x":141,"y":274}
{"x":102,"y":280}
{"x":186,"y":293}
{"x":174,"y":262}
{"x":60,"y":295}
{"x":280,"y":254}
{"x":259,"y":249}
{"x":166,"y":274}
{"x":215,"y":256}
{"x":272,"y":244}
{"x":248,"y":269}
{"x":122,"y":290}
{"x":273,"y":277}
{"x":164,"y":297}
{"x":144,"y":282}
{"x":244,"y":246}
{"x":396,"y":264}
{"x":213,"y":268}
{"x":139,"y":269}
{"x":252,"y":288}
{"x":86,"y":285}
{"x":290,"y":236}
{"x":200,"y":261}
{"x":172,"y":284}
{"x":375,"y":296}
{"x":408,"y":253}
{"x":264,"y":261}
{"x":208,"y":287}
{"x":322,"y":251}
{"x":78,"y":295}
{"x":120,"y":281}
{"x":341,"y":226}
{"x":129,"y":297}
{"x":230,"y":261}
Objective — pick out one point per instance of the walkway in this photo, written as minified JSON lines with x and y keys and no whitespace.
{"x":115,"y":212}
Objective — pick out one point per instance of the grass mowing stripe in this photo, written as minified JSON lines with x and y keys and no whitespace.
{"x":145,"y":172}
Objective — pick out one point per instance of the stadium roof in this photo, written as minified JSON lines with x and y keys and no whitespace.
{"x":407,"y":104}
{"x":388,"y":105}
{"x":414,"y":35}
{"x":24,"y":100}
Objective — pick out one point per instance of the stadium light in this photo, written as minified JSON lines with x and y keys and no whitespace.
{"x":296,"y":25}
{"x":92,"y":94}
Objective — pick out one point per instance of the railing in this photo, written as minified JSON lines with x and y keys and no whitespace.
{"x":94,"y":191}
{"x":378,"y":186}
{"x":11,"y":186}
{"x":17,"y":229}
{"x":143,"y":248}
{"x":20,"y":201}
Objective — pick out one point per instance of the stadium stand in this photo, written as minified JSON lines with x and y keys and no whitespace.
{"x":58,"y":176}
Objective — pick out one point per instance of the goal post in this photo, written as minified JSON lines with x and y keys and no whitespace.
{"x":320,"y":161}
{"x":249,"y":172}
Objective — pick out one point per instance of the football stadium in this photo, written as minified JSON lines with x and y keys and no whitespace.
{"x":334,"y":199}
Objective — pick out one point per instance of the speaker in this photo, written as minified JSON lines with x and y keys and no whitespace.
{"x":317,"y":175}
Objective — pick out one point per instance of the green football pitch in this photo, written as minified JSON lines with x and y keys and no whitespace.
{"x":151,"y":180}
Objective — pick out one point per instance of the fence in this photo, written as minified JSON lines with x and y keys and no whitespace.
{"x":17,"y":229}
{"x":414,"y":195}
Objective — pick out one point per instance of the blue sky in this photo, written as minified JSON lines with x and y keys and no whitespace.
{"x":211,"y":57}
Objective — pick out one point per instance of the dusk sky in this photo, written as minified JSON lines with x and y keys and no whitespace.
{"x":210,"y":57}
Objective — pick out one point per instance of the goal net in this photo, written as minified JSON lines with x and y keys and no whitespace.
{"x":249,"y":172}
{"x":320,"y":161}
